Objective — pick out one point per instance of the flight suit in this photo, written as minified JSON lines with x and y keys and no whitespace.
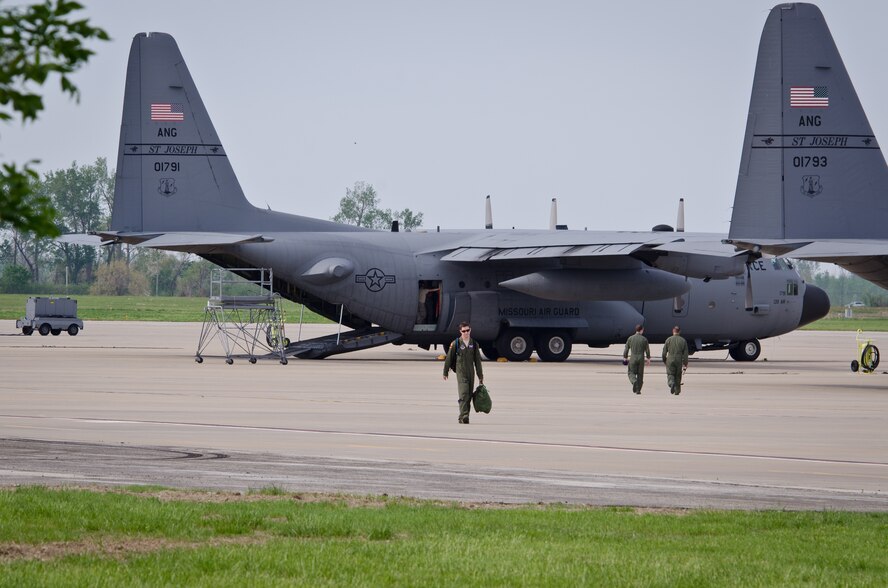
{"x":675,"y":354}
{"x":635,"y":351}
{"x":468,"y":361}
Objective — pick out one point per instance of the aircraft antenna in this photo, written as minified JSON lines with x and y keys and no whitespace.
{"x":680,"y":221}
{"x":488,"y":214}
{"x":553,"y":215}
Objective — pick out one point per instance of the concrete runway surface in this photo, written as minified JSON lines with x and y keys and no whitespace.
{"x":125,"y":403}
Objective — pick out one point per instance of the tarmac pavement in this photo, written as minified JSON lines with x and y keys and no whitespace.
{"x":125,"y":403}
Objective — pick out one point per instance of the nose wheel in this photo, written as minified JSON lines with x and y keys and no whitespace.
{"x":746,"y":350}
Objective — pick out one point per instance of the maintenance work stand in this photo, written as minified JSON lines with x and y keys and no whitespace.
{"x":244,"y":315}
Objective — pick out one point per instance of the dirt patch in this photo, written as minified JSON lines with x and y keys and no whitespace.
{"x":117,"y":548}
{"x":351,"y":501}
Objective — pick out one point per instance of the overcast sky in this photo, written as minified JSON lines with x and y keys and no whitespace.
{"x":615,"y":108}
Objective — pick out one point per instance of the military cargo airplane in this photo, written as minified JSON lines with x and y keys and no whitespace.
{"x":522,"y":290}
{"x":813,"y":180}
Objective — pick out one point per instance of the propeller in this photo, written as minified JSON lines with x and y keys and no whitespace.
{"x":754,"y":254}
{"x":748,"y":286}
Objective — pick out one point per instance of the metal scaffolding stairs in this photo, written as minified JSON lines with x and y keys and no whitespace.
{"x":244,"y":315}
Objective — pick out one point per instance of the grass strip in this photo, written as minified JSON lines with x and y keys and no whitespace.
{"x":142,"y":308}
{"x":158,"y":537}
{"x":184,"y":309}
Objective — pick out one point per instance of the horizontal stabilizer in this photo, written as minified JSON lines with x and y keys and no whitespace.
{"x":835,"y":250}
{"x":82,"y":239}
{"x":169,"y":240}
{"x":192,"y":242}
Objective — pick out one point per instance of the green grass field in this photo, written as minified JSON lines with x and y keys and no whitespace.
{"x":150,"y":537}
{"x":141,"y":308}
{"x":865,"y":319}
{"x":180,"y":309}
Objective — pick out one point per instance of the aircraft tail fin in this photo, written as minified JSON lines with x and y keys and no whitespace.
{"x":172,"y":170}
{"x":811,"y":166}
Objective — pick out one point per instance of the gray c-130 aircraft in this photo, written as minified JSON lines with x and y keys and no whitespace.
{"x":522,"y":290}
{"x":813,"y":182}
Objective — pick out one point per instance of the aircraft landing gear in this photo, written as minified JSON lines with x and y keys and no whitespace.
{"x":514,"y":345}
{"x":746,"y":350}
{"x":553,"y":346}
{"x":489,"y":351}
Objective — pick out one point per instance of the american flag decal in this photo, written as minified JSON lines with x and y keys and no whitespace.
{"x":166,"y":112}
{"x":809,"y":97}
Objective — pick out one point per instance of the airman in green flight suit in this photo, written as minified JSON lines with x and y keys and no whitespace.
{"x":675,"y":356}
{"x":464,"y":357}
{"x":636,"y":353}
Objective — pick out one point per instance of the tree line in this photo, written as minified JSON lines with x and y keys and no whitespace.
{"x":841,"y":286}
{"x":82,"y":197}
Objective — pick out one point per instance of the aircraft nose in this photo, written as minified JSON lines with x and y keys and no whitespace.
{"x":815,"y":305}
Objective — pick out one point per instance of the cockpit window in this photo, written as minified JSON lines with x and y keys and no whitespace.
{"x":778,"y":264}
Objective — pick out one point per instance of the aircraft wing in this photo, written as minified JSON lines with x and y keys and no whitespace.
{"x":587,"y":265}
{"x":696,"y":255}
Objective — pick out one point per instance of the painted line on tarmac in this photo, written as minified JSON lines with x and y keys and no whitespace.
{"x":784,"y":458}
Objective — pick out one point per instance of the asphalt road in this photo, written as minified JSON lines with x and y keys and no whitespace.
{"x":125,"y":403}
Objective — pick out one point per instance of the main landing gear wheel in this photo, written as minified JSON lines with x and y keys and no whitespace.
{"x":515,"y":345}
{"x":198,"y":359}
{"x":229,"y":361}
{"x":746,"y":350}
{"x":554,"y":346}
{"x":489,"y":351}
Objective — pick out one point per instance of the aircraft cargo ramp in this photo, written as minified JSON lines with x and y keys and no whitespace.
{"x":321,"y":347}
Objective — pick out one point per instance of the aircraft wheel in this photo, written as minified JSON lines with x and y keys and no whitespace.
{"x":284,"y":361}
{"x":746,"y":350}
{"x":44,"y":329}
{"x":489,"y":351}
{"x":198,"y":359}
{"x":229,"y":361}
{"x":553,"y":346}
{"x":27,"y":330}
{"x":73,"y":330}
{"x":854,"y":365}
{"x":515,"y":345}
{"x":252,"y":360}
{"x":286,"y":342}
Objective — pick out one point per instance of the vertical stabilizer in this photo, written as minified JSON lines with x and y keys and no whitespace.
{"x":172,"y":170}
{"x":810,"y":167}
